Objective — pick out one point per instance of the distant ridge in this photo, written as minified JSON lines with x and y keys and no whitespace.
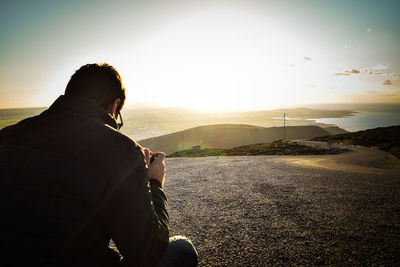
{"x":230,"y":135}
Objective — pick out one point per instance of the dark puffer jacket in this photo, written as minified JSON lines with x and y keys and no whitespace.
{"x":70,"y":182}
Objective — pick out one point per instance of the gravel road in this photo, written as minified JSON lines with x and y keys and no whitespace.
{"x":262,"y":210}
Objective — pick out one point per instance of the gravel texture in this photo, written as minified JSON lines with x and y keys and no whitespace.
{"x":260,"y":210}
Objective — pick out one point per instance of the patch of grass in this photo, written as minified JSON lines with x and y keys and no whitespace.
{"x":279,"y":147}
{"x":205,"y":152}
{"x":393,"y":162}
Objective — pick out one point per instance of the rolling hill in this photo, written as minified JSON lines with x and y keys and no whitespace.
{"x":227,"y":136}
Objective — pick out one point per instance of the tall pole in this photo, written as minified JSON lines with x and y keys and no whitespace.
{"x":183,"y":141}
{"x":284,"y":126}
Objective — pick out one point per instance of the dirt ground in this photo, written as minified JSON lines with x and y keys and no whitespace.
{"x":263,"y":210}
{"x":359,"y":159}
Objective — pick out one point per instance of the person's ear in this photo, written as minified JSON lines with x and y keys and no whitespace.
{"x":112,"y":108}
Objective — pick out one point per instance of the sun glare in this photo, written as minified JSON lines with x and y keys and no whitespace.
{"x":223,"y":59}
{"x":210,"y":55}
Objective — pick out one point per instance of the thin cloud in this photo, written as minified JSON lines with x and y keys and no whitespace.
{"x":379,"y":70}
{"x":387,"y":82}
{"x":311,"y":85}
{"x":353,"y":71}
{"x":307,"y":58}
{"x":341,"y":74}
{"x":380,"y":67}
{"x":368,"y":30}
{"x":347,"y":73}
{"x":374,"y":73}
{"x":367,"y":71}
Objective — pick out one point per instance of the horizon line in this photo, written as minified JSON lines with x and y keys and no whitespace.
{"x":292,"y":106}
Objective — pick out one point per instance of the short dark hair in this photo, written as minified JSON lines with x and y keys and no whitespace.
{"x":99,"y":82}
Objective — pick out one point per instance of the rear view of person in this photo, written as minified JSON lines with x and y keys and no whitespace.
{"x":70,"y":181}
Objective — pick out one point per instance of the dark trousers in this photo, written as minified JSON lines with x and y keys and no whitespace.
{"x":180,"y":252}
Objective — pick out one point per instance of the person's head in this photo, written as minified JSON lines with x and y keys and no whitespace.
{"x":101,"y":83}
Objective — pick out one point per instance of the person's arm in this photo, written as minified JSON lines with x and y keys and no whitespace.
{"x":159,"y":202}
{"x":136,"y":216}
{"x":156,"y":171}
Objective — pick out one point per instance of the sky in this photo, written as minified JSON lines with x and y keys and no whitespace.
{"x":208,"y":55}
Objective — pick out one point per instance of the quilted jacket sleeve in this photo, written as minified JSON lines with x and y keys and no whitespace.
{"x":135,"y":214}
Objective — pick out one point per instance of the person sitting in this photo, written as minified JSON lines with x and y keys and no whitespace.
{"x":70,"y":182}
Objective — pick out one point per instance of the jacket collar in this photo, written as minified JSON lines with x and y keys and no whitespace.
{"x":84,"y":106}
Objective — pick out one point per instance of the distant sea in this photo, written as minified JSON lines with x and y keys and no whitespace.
{"x":142,"y":124}
{"x":368,"y":116}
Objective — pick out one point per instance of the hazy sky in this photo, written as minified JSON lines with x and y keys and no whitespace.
{"x":205,"y":54}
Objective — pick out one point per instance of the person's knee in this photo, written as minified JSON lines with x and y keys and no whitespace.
{"x":180,"y":252}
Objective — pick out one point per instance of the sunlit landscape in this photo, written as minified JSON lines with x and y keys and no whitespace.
{"x":278,"y":117}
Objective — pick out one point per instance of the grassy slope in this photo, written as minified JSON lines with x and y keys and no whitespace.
{"x":275,"y":148}
{"x":384,"y":138}
{"x":227,"y":136}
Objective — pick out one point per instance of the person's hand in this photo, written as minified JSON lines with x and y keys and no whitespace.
{"x":156,"y":169}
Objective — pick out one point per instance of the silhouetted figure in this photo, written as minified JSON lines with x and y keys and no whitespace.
{"x":70,"y":182}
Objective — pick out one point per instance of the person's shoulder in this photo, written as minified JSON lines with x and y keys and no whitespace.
{"x":11,"y":129}
{"x":122,"y":142}
{"x":127,"y":152}
{"x":6,"y":130}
